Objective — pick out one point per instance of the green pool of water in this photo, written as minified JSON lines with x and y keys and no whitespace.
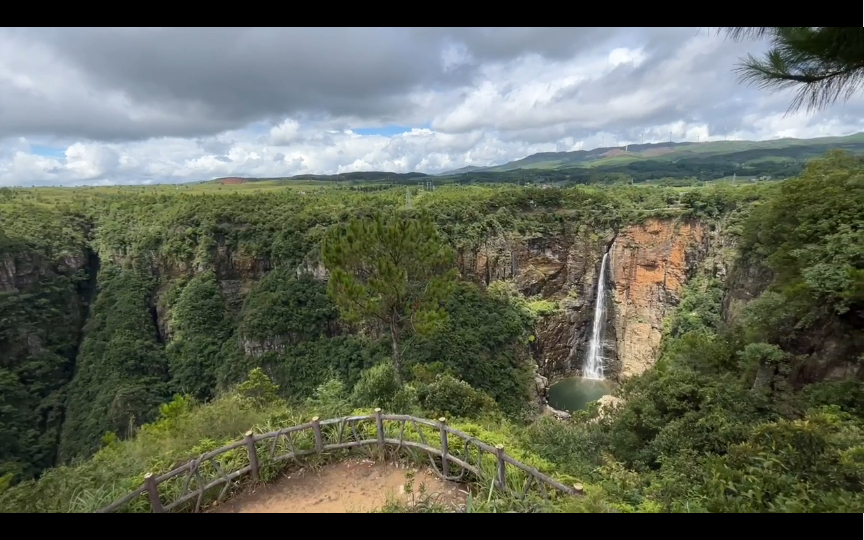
{"x":572,"y":394}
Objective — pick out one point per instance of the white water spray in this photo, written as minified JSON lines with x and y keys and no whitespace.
{"x":593,"y":366}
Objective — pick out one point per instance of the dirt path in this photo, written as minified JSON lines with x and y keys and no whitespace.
{"x":348,"y":486}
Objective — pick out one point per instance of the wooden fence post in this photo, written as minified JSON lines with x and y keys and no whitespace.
{"x":153,"y":493}
{"x":444,"y":447}
{"x":379,"y":423}
{"x":502,"y":474}
{"x":319,"y":441}
{"x":253,"y":455}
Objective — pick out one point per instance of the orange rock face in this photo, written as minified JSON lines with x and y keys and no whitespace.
{"x":649,"y":266}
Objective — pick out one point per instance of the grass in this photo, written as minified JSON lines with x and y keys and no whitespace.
{"x":187,"y":430}
{"x":184,"y":432}
{"x":483,"y":498}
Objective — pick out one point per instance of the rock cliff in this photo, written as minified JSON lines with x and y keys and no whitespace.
{"x":560,"y":266}
{"x":650,"y":263}
{"x":648,"y":267}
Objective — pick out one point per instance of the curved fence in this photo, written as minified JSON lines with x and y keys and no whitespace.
{"x":454,"y":451}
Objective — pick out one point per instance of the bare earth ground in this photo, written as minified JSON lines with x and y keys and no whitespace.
{"x":347,"y":486}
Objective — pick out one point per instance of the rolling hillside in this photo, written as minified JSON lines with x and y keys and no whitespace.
{"x":776,"y":159}
{"x":732,"y":152}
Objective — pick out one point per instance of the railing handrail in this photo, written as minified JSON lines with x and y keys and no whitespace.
{"x":151,"y":482}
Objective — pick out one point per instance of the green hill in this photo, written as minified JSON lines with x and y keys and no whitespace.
{"x":681,"y":162}
{"x":732,"y":152}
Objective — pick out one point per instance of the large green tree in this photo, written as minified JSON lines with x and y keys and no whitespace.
{"x":392,"y":269}
{"x":824,"y":63}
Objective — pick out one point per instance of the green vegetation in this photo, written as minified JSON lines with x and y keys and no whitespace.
{"x":43,"y":296}
{"x":199,"y":326}
{"x":186,"y":428}
{"x":121,"y":371}
{"x":220,"y":300}
{"x":810,"y":237}
{"x":391,"y":270}
{"x":719,"y":425}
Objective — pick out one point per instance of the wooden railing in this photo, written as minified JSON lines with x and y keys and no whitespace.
{"x":476,"y":457}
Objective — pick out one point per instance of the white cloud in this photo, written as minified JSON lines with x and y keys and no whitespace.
{"x":90,"y":161}
{"x":32,"y":167}
{"x":454,"y":56}
{"x":284,"y":133}
{"x":623,"y":55}
{"x":486,"y":97}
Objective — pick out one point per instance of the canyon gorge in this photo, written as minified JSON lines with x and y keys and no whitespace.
{"x":111,"y":307}
{"x":649,"y":265}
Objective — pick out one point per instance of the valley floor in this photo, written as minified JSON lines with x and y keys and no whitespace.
{"x":346,"y":487}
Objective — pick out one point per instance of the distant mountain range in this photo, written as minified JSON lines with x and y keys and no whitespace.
{"x":740,"y":152}
{"x":778,"y":158}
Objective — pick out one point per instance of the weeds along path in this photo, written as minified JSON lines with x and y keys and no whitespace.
{"x":347,"y":486}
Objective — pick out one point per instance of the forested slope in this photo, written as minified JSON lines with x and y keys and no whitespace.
{"x":194,"y":291}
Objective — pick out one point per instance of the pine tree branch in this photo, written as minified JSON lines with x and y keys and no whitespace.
{"x":739,"y":33}
{"x":825,"y":63}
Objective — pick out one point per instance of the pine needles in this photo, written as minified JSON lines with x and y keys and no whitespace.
{"x":825,"y":64}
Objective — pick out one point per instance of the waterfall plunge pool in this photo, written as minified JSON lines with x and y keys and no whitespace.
{"x":573,"y":393}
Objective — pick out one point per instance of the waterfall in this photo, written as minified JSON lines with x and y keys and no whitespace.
{"x":593,"y":366}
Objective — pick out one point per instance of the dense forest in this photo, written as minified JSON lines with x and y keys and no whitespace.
{"x":695,"y":170}
{"x":133,"y":325}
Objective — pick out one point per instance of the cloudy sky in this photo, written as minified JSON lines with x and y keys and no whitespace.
{"x":146,"y":105}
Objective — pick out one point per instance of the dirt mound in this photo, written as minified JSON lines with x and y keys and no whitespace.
{"x":231,"y":181}
{"x":348,"y":486}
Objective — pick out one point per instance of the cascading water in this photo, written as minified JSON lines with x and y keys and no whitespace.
{"x":574,"y":393}
{"x":593,"y":366}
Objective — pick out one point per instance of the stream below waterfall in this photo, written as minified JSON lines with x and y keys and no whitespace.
{"x":573,"y":393}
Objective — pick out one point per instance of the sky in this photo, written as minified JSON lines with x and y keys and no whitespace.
{"x":108,"y":106}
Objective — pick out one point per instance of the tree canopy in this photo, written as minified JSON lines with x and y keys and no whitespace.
{"x":824,"y":63}
{"x":392,"y":269}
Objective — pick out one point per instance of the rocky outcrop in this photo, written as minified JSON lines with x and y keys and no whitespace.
{"x":256,"y":348}
{"x":648,"y":267}
{"x":538,"y":264}
{"x":746,"y":281}
{"x":555,"y":413}
{"x":19,"y":272}
{"x":561,"y":267}
{"x":541,"y":386}
{"x":23,"y":268}
{"x":650,"y":263}
{"x":607,"y":404}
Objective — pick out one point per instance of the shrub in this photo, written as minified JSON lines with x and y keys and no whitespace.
{"x":377,"y":387}
{"x":451,"y":397}
{"x":330,"y":399}
{"x":259,"y":391}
